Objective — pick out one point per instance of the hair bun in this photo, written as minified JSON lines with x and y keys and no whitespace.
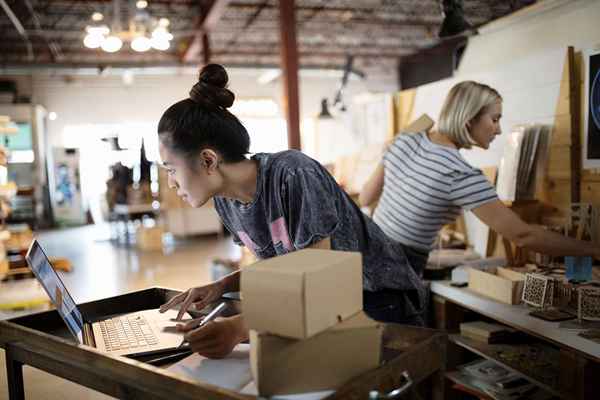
{"x":211,"y":89}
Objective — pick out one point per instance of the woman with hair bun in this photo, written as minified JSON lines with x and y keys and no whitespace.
{"x":273,"y":204}
{"x":424,"y":182}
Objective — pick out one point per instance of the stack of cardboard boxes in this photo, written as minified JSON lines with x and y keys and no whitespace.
{"x":307,"y":328}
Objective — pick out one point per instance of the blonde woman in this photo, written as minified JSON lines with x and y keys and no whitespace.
{"x":423,"y":182}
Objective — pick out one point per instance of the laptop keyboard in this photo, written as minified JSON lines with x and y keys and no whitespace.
{"x":127,"y":332}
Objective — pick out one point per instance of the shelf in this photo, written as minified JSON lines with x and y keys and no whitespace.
{"x":463,"y":384}
{"x":465,"y":387}
{"x":517,"y":317}
{"x":541,"y":365}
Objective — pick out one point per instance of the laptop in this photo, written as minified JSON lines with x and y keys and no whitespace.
{"x":134,"y":334}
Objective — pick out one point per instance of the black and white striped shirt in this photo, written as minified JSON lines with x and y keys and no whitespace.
{"x":425,"y":187}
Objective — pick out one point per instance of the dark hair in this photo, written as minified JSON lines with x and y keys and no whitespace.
{"x":203,"y":121}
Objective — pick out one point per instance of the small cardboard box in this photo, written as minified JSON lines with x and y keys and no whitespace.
{"x":149,"y":238}
{"x":324,"y":361}
{"x":501,"y":284}
{"x":302,"y":293}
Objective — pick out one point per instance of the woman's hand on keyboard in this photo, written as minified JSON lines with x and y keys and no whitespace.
{"x":199,"y":297}
{"x":217,"y":338}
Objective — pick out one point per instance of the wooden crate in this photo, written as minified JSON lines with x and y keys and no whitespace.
{"x":501,"y":284}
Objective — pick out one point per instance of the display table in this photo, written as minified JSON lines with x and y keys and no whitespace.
{"x":42,"y":341}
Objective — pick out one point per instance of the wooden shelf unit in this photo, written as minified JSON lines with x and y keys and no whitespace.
{"x":578,"y":358}
{"x":547,"y":381}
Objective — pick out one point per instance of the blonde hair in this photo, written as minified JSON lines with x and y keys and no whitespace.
{"x":466,"y":101}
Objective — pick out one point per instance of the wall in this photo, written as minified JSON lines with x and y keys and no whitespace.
{"x":522,"y":56}
{"x":93,"y":99}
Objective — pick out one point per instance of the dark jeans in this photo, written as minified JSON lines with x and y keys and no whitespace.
{"x":399,"y":306}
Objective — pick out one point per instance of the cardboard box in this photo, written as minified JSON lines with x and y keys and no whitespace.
{"x":324,"y":361}
{"x":302,"y":293}
{"x":501,"y":284}
{"x":149,"y":238}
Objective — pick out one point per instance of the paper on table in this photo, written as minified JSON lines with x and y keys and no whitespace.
{"x":232,"y":372}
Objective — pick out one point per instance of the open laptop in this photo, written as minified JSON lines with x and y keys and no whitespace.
{"x":135,"y":334}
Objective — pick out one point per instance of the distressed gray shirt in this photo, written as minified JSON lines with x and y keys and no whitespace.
{"x":298,"y":203}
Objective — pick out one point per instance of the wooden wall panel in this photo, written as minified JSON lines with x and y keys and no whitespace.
{"x":559,"y":162}
{"x":561,"y":132}
{"x":590,"y":192}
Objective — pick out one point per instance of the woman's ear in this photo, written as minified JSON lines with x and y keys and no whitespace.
{"x":209,"y":160}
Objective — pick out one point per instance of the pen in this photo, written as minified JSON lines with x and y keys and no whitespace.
{"x":212,"y":315}
{"x":169,"y":358}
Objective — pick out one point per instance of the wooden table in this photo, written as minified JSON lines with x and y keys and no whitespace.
{"x":42,"y":341}
{"x":578,"y":359}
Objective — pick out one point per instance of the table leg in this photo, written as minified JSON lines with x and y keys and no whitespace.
{"x":14,"y":373}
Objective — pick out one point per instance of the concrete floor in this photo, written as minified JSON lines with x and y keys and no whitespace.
{"x":103,"y":269}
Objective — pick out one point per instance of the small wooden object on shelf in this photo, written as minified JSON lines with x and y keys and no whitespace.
{"x":538,"y":290}
{"x":500,"y":284}
{"x":588,"y":303}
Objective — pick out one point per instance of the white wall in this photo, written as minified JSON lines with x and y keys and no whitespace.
{"x":84,"y":99}
{"x":522,"y":56}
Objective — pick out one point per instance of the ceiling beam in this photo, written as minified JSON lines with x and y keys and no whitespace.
{"x":19,"y":27}
{"x":212,"y":11}
{"x":249,"y":22}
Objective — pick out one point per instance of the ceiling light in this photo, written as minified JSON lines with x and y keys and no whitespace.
{"x":112,"y":44}
{"x":141,"y":44}
{"x":162,"y":34}
{"x":160,"y":44}
{"x":140,"y":24}
{"x":127,"y":77}
{"x":52,"y":116}
{"x":97,"y":30}
{"x":92,"y":41}
{"x":95,"y":36}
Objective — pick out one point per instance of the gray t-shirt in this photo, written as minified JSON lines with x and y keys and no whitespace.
{"x":298,"y":203}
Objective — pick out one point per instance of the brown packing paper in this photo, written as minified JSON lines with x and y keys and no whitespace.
{"x":322,"y":362}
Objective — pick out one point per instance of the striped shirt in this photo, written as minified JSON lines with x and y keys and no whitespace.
{"x":426,"y":185}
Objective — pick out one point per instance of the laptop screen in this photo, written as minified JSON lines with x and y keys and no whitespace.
{"x":62,"y":300}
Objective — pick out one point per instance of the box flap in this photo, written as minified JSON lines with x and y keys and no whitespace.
{"x":358,"y":320}
{"x":302,"y":261}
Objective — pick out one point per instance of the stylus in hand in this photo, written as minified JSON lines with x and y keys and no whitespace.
{"x":212,"y":315}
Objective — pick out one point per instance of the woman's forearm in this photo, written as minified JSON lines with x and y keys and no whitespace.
{"x":552,"y":243}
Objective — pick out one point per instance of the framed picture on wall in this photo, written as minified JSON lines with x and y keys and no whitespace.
{"x":591,"y":129}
